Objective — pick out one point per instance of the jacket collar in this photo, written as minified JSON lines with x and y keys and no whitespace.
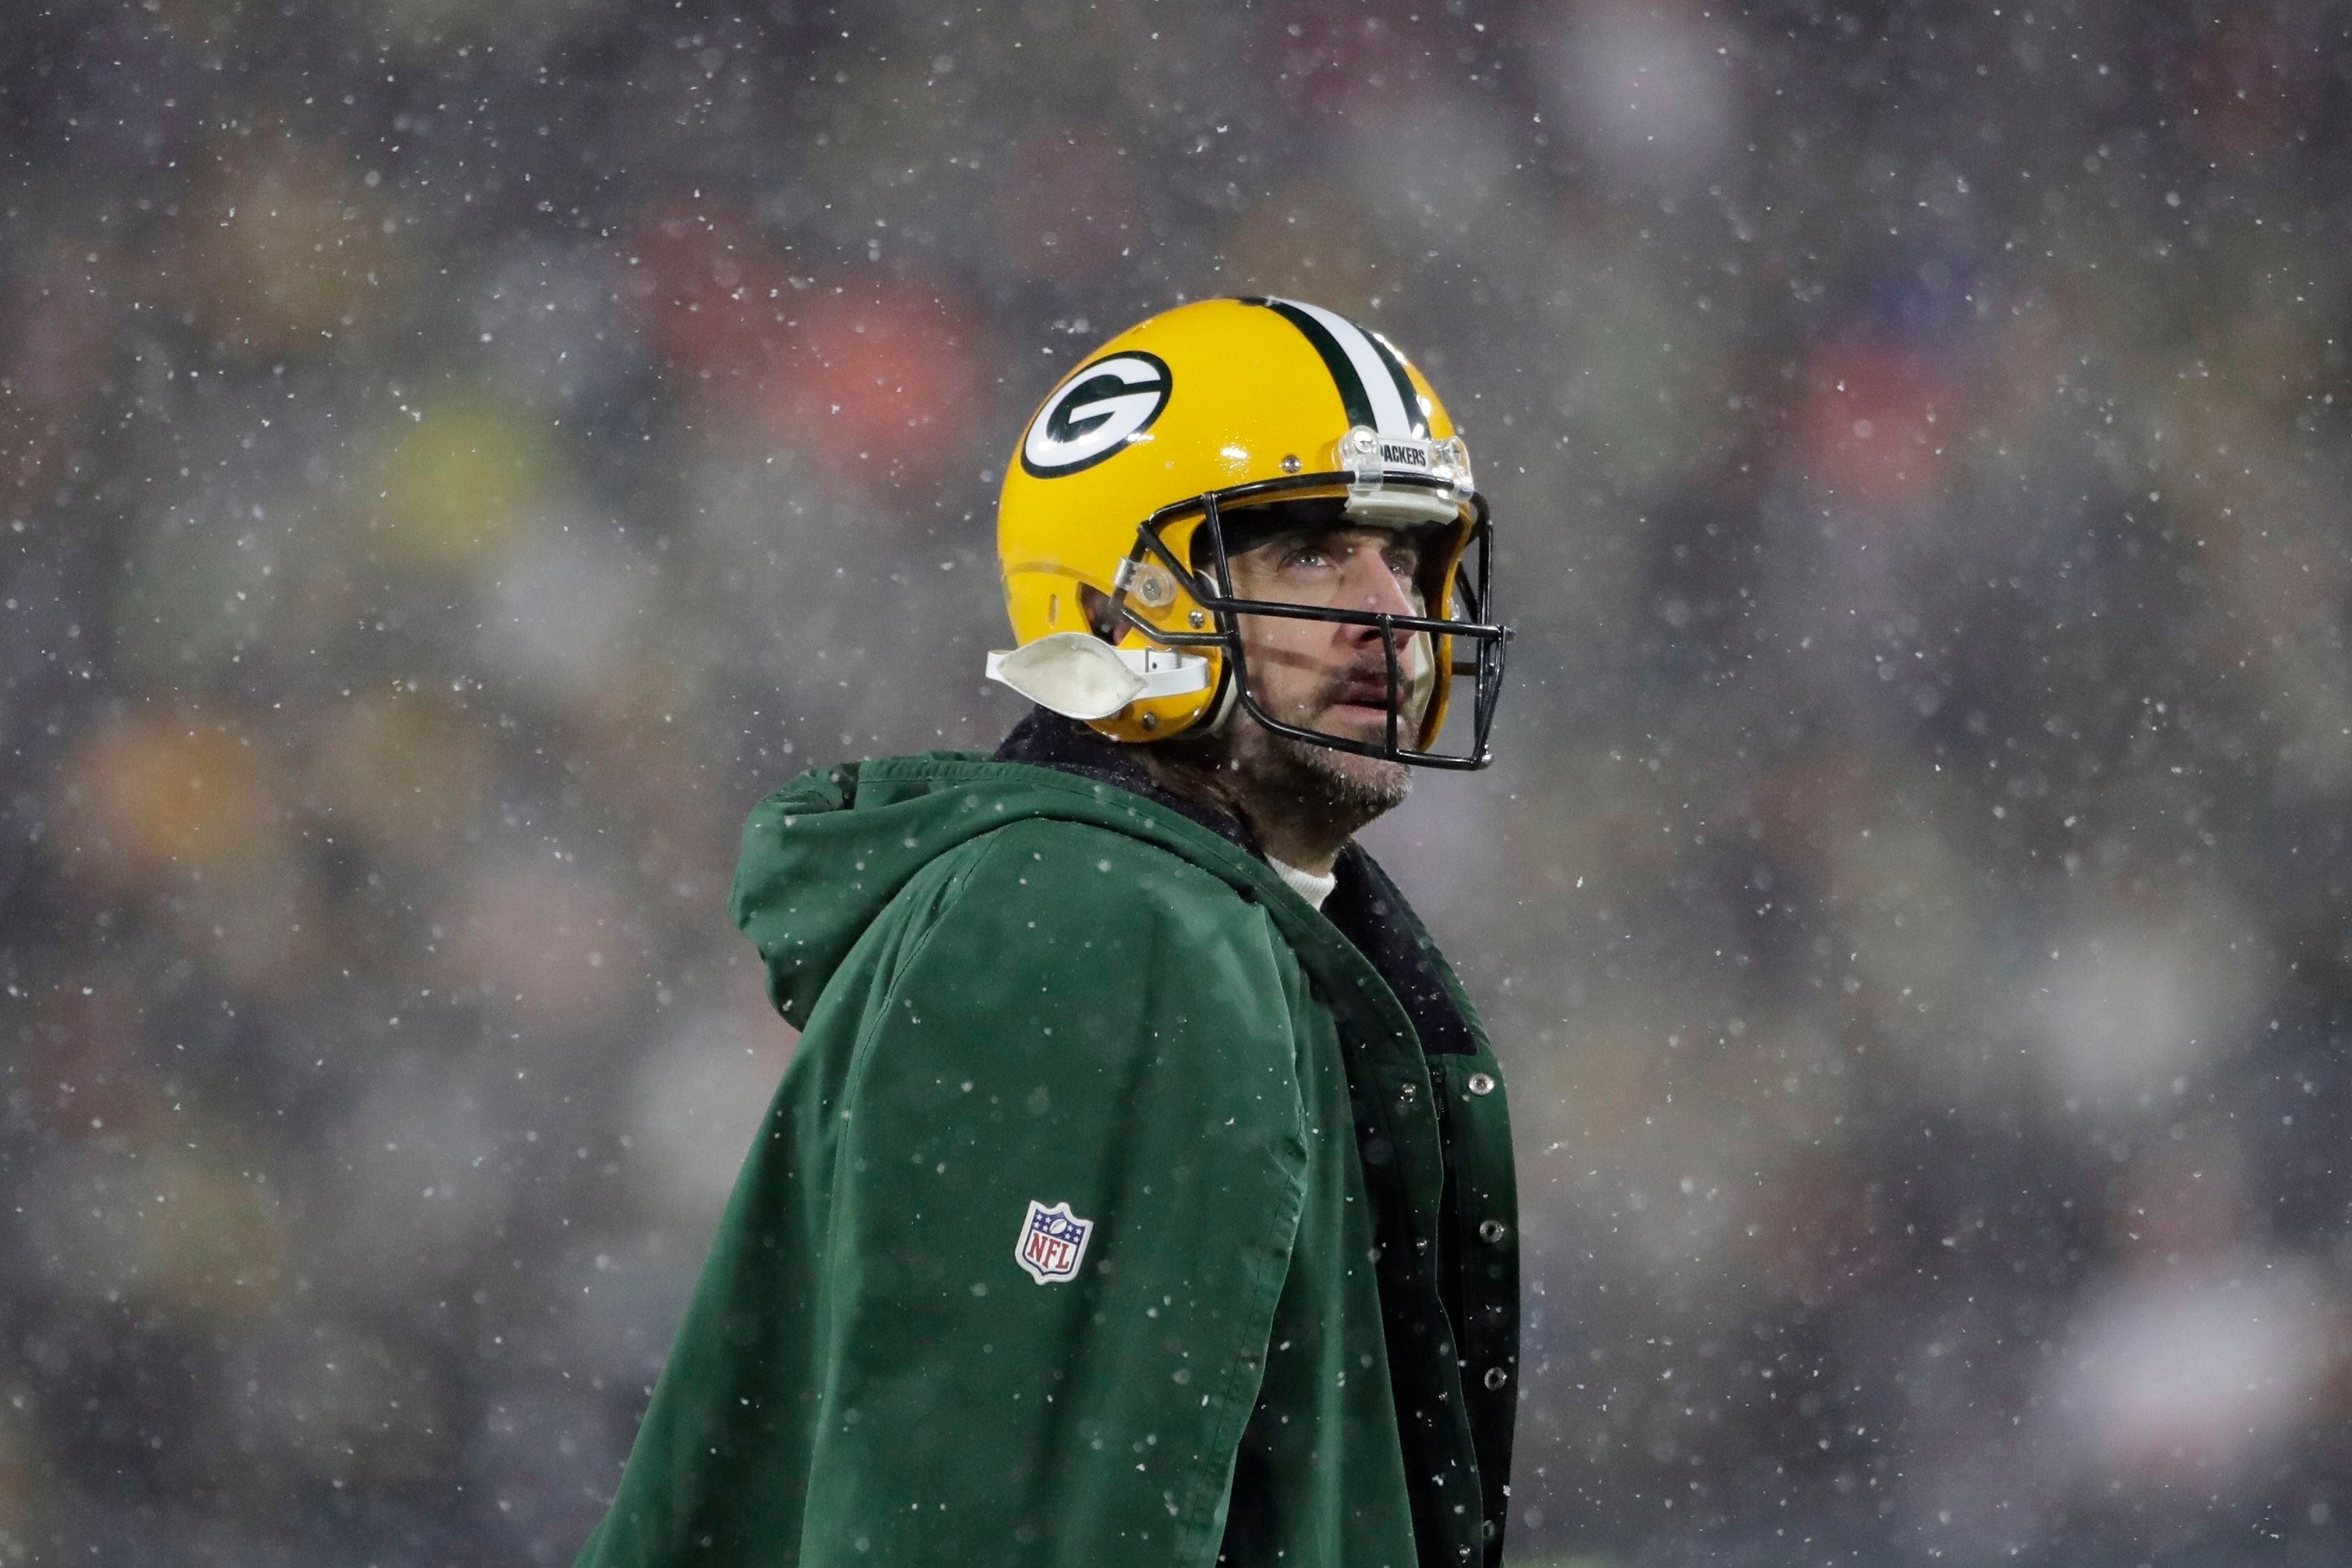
{"x":1366,"y":905}
{"x":1047,"y":740}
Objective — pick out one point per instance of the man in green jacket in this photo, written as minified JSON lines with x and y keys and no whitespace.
{"x":1140,"y":1192}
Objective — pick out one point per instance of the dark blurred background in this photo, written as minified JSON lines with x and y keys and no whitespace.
{"x":455,"y":458}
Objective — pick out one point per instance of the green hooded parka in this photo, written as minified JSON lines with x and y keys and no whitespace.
{"x":1271,"y":1313}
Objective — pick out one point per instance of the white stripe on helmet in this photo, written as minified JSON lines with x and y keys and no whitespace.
{"x":1388,"y":413}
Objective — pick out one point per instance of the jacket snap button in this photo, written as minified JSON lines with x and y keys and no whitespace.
{"x":1482,"y":1083}
{"x":1491,"y":1229}
{"x":1405,"y":1092}
{"x":1496,"y":1377}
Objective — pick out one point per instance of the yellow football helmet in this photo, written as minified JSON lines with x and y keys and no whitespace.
{"x":1111,"y":530}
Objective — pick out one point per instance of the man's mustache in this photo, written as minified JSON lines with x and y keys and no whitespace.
{"x":1367,"y":684}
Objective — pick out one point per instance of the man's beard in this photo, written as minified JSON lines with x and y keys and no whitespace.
{"x":1303,"y":779}
{"x":1262,"y":776}
{"x":1349,"y":788}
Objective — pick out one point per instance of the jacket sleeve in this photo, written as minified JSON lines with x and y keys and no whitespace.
{"x":1057,"y":1037}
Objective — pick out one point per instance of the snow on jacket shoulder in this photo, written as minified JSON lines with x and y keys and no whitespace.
{"x":1097,"y":1218}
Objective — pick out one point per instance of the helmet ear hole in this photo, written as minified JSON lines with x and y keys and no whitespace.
{"x":1101,"y":617}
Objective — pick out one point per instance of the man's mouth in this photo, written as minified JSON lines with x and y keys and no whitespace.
{"x":1370,"y":698}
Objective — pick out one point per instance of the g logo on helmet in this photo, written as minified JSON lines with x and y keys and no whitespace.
{"x":1098,"y":412}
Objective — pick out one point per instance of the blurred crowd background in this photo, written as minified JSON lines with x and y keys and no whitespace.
{"x":455,"y":458}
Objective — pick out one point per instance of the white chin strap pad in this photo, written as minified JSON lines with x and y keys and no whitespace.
{"x":1080,"y":676}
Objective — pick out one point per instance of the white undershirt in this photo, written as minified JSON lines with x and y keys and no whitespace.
{"x":1306,"y":884}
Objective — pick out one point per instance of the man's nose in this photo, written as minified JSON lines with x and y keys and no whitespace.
{"x":1374,"y":585}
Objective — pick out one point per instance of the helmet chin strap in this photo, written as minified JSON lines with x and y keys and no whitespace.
{"x":1080,"y":676}
{"x":1228,"y":704}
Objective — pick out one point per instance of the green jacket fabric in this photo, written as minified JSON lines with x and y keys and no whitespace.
{"x":1270,"y":1311}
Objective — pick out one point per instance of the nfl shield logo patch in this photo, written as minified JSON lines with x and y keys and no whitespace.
{"x":1053,"y":1242}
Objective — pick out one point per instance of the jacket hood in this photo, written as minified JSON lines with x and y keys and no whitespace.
{"x":824,"y":856}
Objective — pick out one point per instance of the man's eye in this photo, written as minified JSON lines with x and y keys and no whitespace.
{"x":1307,"y":555}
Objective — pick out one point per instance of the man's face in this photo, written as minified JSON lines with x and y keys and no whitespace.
{"x":1328,"y":676}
